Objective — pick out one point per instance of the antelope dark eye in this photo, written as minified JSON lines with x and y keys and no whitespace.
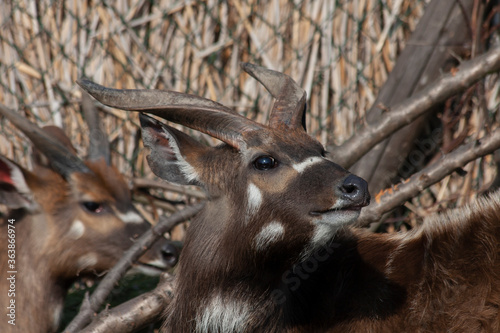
{"x":93,"y":207}
{"x":265,"y":163}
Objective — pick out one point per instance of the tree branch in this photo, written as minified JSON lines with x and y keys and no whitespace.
{"x":135,"y":313}
{"x":150,"y":183}
{"x":428,"y":176}
{"x":448,"y":85}
{"x":130,"y":256}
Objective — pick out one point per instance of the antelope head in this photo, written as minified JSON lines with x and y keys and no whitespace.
{"x":273,"y":193}
{"x":81,"y":213}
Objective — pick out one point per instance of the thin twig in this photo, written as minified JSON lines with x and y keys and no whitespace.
{"x":135,"y":313}
{"x":428,"y":176}
{"x":150,"y":183}
{"x":448,"y":85}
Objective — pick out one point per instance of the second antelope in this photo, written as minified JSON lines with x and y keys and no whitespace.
{"x":66,"y":219}
{"x":274,"y":249}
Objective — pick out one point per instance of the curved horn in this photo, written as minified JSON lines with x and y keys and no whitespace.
{"x":289,"y":107}
{"x":61,"y":159}
{"x":192,"y":111}
{"x":98,"y":143}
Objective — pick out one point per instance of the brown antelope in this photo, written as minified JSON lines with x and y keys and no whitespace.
{"x":67,"y":220}
{"x":275,"y":250}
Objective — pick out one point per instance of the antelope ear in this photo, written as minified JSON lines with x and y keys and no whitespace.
{"x":173,"y":154}
{"x":14,"y":190}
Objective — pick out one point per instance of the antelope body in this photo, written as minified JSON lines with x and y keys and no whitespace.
{"x":67,"y":219}
{"x":275,"y":250}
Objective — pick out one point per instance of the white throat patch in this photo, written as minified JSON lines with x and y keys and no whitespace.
{"x":269,"y":234}
{"x":86,"y":261}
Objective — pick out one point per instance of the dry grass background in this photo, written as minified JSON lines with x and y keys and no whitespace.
{"x":339,"y":51}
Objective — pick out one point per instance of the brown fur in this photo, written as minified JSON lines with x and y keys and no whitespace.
{"x":441,"y":277}
{"x":47,"y":259}
{"x":273,"y":249}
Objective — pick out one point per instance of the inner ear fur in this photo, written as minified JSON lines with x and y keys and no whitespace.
{"x":15,"y":191}
{"x":174,"y":155}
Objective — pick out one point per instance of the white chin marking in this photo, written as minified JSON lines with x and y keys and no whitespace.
{"x":338,"y":217}
{"x":130,"y":217}
{"x":300,"y":167}
{"x":326,"y":226}
{"x":254,"y":199}
{"x":76,"y":230}
{"x":154,"y":268}
{"x":269,"y":234}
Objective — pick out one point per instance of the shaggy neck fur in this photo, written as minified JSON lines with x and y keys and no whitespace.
{"x":360,"y":282}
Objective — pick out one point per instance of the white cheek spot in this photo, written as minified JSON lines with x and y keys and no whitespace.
{"x":269,"y":234}
{"x":86,"y":261}
{"x":76,"y":230}
{"x":310,"y":161}
{"x":254,"y":199}
{"x":130,"y":217}
{"x":222,"y":315}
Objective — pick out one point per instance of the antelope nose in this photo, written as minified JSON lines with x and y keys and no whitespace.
{"x":170,"y":254}
{"x":355,"y":189}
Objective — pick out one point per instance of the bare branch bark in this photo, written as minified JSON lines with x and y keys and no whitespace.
{"x":150,"y":183}
{"x":428,"y":176}
{"x":119,"y":270}
{"x":448,"y":85}
{"x":134,"y":314}
{"x":442,"y":35}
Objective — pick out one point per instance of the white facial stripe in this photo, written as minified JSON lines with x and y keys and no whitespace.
{"x":130,"y":217}
{"x":76,"y":230}
{"x":254,"y":199}
{"x":222,"y":315}
{"x":268,"y":235}
{"x":300,"y":167}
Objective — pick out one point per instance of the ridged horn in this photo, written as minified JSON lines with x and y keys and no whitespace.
{"x":60,"y":158}
{"x":289,"y":108}
{"x":98,"y":143}
{"x":195,"y":112}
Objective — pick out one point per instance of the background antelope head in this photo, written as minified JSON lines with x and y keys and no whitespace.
{"x":72,"y":219}
{"x":275,"y":199}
